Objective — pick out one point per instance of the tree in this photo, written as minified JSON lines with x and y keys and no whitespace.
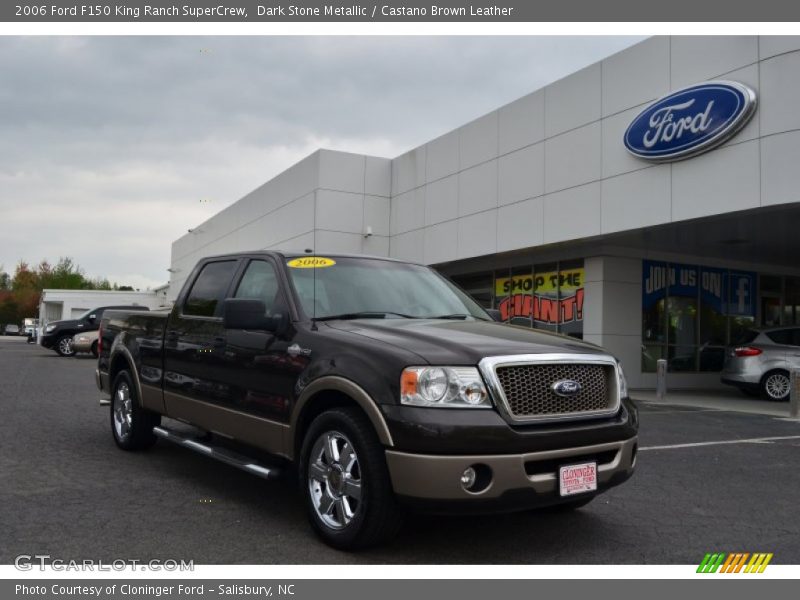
{"x":25,"y":287}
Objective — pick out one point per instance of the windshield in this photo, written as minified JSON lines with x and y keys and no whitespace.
{"x":352,"y":286}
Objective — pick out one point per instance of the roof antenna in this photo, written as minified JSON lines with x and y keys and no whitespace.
{"x":314,"y":292}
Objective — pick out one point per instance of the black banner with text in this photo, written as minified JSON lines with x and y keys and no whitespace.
{"x":455,"y":11}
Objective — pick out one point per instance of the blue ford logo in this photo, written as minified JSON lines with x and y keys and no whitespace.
{"x":690,"y":121}
{"x":566,"y":388}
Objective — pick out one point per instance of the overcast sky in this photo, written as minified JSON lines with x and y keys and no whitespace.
{"x":112,"y":147}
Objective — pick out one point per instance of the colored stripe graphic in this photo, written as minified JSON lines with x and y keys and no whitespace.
{"x":744,"y":558}
{"x":734,"y":562}
{"x":711,"y":563}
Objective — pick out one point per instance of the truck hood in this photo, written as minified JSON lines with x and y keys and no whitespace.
{"x":66,"y":324}
{"x":447,"y":342}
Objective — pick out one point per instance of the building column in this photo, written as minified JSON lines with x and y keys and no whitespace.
{"x":613,"y":310}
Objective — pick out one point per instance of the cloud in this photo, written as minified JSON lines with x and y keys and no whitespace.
{"x":113,"y":147}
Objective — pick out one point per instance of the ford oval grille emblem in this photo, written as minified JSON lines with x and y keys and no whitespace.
{"x":690,"y":121}
{"x":567,"y":388}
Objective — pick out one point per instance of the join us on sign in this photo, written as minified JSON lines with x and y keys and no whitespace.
{"x":690,"y":121}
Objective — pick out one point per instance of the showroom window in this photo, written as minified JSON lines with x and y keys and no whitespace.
{"x":690,"y":313}
{"x":546,"y":296}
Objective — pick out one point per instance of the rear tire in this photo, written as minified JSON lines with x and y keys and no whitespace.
{"x":64,"y":346}
{"x":345,"y":481}
{"x":775,"y":386}
{"x":131,"y":425}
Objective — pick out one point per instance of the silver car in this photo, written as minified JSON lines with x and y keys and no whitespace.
{"x":85,"y":342}
{"x":760,"y":363}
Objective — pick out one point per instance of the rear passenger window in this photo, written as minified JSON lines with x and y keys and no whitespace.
{"x":781,"y":336}
{"x":260,"y":282}
{"x":208,"y":292}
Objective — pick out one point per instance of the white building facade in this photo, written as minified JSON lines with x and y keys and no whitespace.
{"x":538,"y":209}
{"x":58,"y":305}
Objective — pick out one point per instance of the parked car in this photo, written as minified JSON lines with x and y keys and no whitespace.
{"x":58,"y":334}
{"x":11,"y":329}
{"x":761,"y":361}
{"x":85,"y":342}
{"x":385,"y":386}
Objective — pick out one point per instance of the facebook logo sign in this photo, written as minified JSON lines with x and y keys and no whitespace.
{"x":741,"y":294}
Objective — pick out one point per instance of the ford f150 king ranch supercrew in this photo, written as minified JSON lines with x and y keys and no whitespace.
{"x":380,"y":382}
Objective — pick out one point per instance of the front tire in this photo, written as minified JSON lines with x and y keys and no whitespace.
{"x":64,"y":346}
{"x":131,"y":425}
{"x":345,"y":481}
{"x":775,"y":386}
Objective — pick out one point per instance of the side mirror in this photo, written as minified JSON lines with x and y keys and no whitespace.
{"x":495,"y":314}
{"x":243,"y":313}
{"x":91,"y":318}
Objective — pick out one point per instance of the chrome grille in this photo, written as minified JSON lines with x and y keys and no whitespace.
{"x":529,"y":394}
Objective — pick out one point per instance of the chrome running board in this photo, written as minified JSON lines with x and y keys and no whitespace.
{"x":240,"y":461}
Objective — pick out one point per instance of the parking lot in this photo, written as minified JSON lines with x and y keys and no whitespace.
{"x":707,"y":480}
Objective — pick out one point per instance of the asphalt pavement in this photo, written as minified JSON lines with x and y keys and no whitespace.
{"x":707,"y":480}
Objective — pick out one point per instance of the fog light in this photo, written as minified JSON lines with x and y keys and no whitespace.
{"x":468,"y":478}
{"x":474,"y":393}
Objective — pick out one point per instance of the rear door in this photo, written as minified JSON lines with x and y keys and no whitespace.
{"x":194,"y":345}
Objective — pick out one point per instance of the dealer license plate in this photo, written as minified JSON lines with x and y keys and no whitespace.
{"x":577,"y":479}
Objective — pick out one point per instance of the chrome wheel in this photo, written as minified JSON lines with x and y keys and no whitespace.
{"x":65,"y":346}
{"x":123,"y":411}
{"x":334,"y":480}
{"x":777,"y":386}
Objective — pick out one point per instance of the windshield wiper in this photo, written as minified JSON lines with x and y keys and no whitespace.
{"x":379,"y":314}
{"x":454,"y":316}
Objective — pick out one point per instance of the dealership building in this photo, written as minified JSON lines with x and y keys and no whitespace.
{"x":649,"y":203}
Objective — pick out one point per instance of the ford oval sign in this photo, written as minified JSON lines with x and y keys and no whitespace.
{"x":690,"y":121}
{"x":566,"y":388}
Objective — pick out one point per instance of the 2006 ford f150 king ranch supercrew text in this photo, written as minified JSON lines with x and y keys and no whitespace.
{"x":386,"y":387}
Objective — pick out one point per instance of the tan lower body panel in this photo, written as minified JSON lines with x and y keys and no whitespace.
{"x":439,"y":477}
{"x":152,"y":398}
{"x":249,"y":429}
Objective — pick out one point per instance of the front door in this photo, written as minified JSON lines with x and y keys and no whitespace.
{"x":263,"y":367}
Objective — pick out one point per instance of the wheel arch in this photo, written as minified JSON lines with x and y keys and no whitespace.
{"x":333,"y":392}
{"x":121,"y":360}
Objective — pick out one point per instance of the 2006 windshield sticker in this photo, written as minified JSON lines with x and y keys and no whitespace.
{"x":311,"y":262}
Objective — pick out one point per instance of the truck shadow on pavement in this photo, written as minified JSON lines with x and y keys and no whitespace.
{"x":275,"y":508}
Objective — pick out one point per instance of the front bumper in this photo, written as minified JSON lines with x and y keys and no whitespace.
{"x":518,"y":481}
{"x":48,"y":340}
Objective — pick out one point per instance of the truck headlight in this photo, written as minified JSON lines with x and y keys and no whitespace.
{"x":49,"y":328}
{"x":623,"y":383}
{"x":456,"y":387}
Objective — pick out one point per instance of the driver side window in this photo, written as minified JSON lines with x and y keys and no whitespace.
{"x":260,"y":282}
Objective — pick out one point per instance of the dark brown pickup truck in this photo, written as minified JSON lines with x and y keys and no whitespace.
{"x":386,"y":387}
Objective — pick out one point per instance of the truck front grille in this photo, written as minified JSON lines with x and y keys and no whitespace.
{"x":529,"y":394}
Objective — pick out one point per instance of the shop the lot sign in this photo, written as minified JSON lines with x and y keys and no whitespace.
{"x":690,"y":121}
